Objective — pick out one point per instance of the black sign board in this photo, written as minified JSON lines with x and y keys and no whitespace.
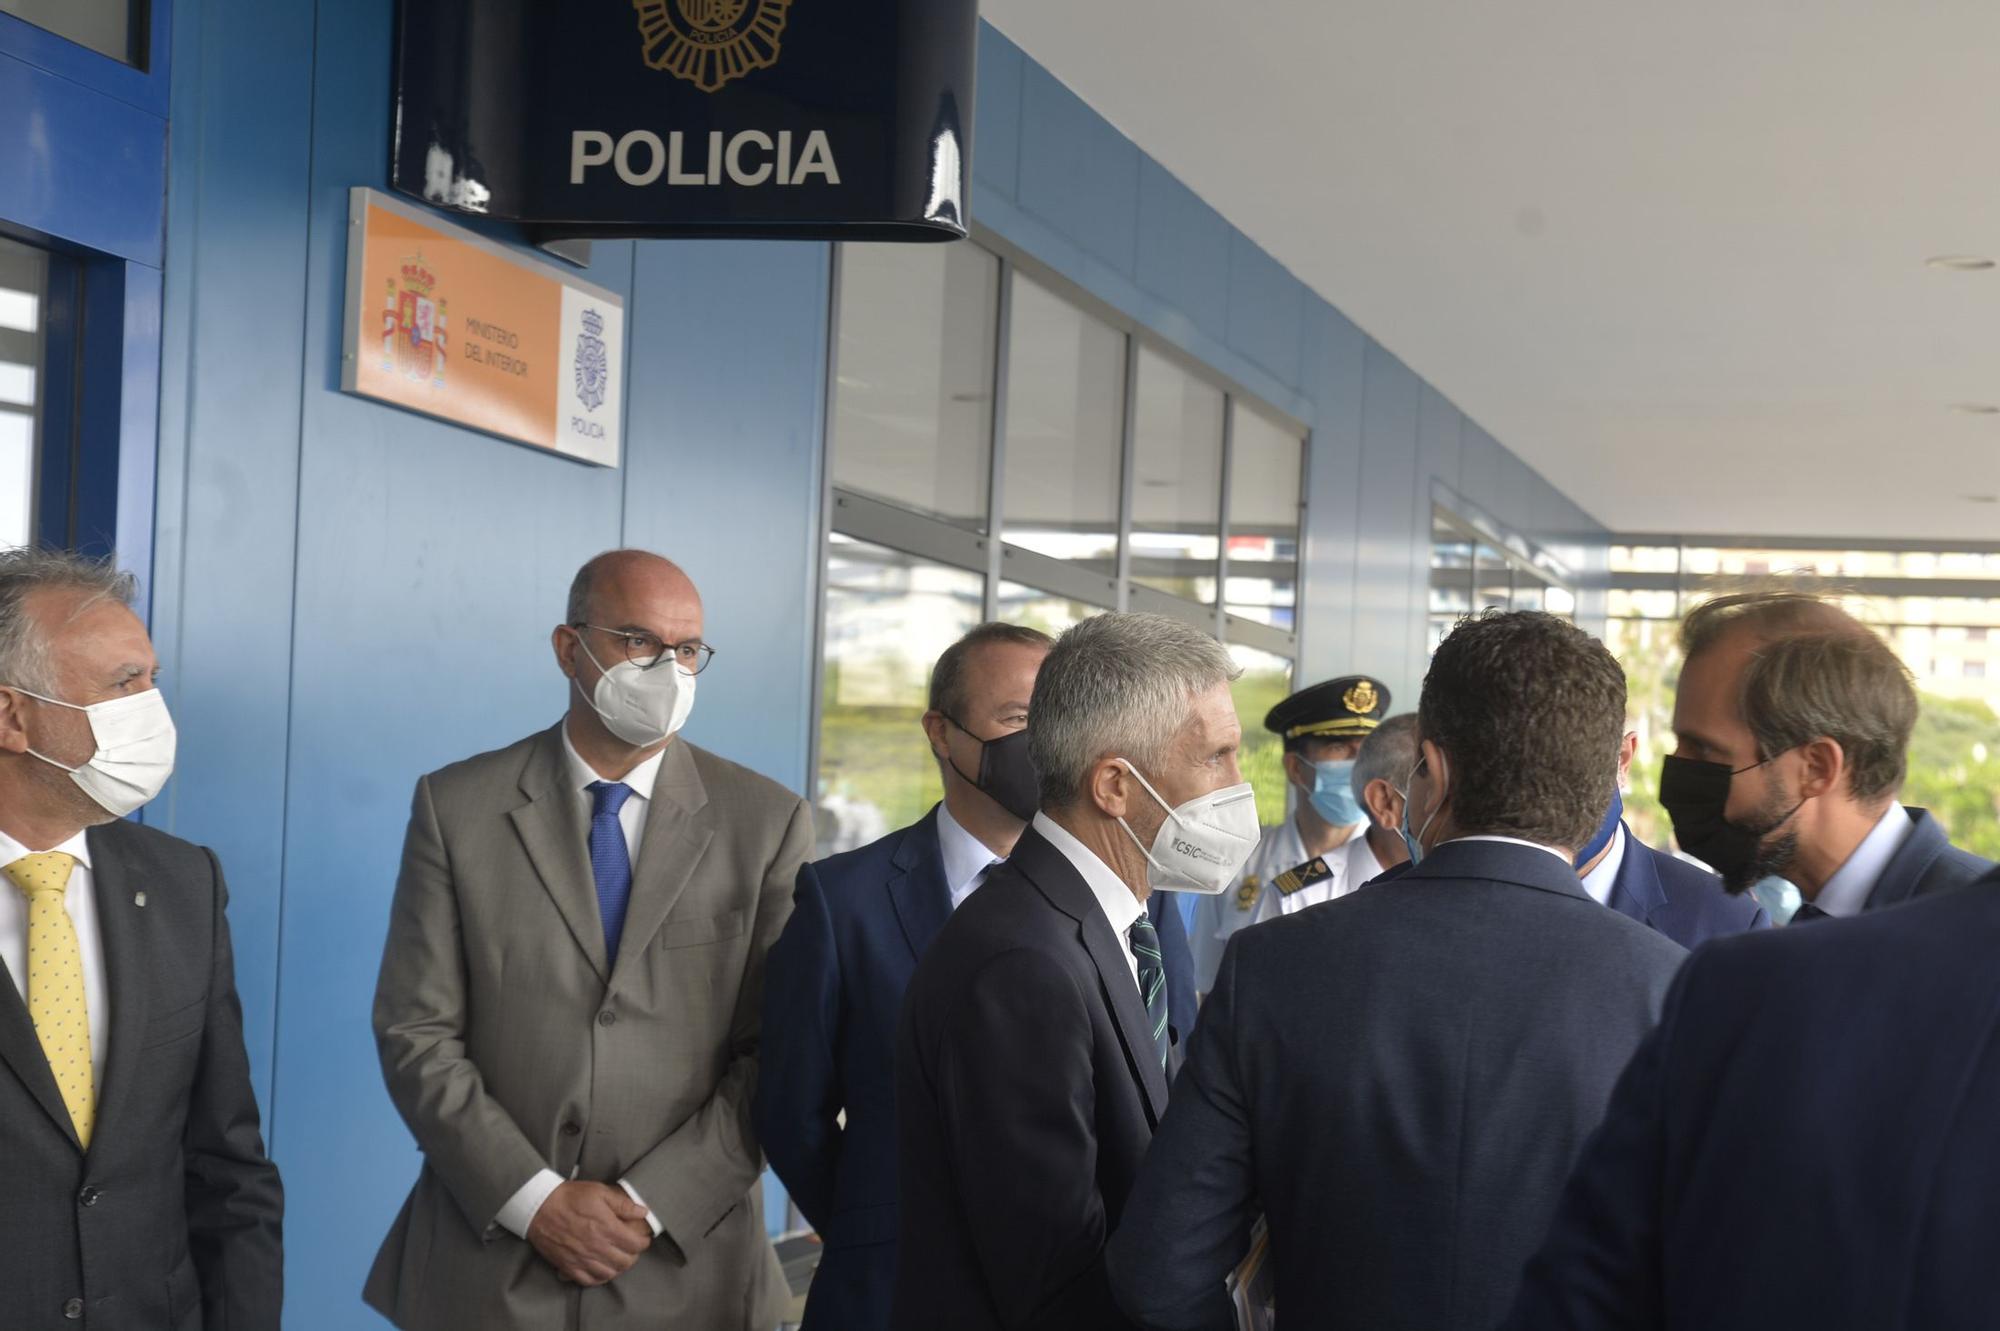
{"x":792,"y":119}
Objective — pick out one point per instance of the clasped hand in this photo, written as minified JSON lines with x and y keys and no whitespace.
{"x":591,"y":1233}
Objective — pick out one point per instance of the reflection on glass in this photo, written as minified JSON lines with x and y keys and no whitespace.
{"x":1177,"y":485}
{"x":116,"y":28}
{"x":1494,"y":587}
{"x":1451,"y":571}
{"x":1561,"y":601}
{"x":1265,"y":682}
{"x":1042,"y":610}
{"x":23,"y":290}
{"x":888,"y":617}
{"x":1264,"y":466}
{"x":913,"y":396}
{"x":1065,"y":425}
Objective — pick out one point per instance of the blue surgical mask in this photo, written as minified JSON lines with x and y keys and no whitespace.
{"x":1412,"y":841}
{"x":1333,"y":796}
{"x":1606,"y":830}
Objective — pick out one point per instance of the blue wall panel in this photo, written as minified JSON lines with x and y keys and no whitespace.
{"x":1078,"y":173}
{"x":996,"y":116}
{"x":1184,"y":250}
{"x":1266,"y":307}
{"x":1334,"y":357}
{"x":1385,"y":532}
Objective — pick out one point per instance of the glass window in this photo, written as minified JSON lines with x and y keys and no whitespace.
{"x":1494,"y":589}
{"x":1265,"y":682}
{"x":888,"y":618}
{"x":913,"y":396}
{"x":1265,"y":464}
{"x":1043,"y":610}
{"x":23,"y":293}
{"x":1177,"y":485}
{"x":1065,"y":428}
{"x":116,"y":28}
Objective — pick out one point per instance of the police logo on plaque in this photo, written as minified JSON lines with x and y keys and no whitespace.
{"x":593,"y":367}
{"x":711,"y":42}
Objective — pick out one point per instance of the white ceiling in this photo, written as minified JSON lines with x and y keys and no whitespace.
{"x":1672,"y":255}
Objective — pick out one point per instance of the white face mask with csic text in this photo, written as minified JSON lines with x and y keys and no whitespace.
{"x":135,"y":750}
{"x":641,"y":707}
{"x":1204,"y":844}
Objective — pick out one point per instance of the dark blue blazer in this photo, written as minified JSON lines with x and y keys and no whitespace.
{"x":1806,"y":1143}
{"x":833,"y":987}
{"x":1684,"y":902}
{"x":1926,"y":862}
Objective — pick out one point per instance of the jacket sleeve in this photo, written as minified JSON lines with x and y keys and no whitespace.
{"x":1599,"y":1268}
{"x":1187,"y":1223}
{"x":798,"y":1081}
{"x":706,"y":1167}
{"x":235,"y":1204}
{"x":466,"y":1136}
{"x":1018,"y":1113}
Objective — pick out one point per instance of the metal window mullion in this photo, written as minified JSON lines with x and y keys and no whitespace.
{"x":1127,"y":474}
{"x":818,"y":645}
{"x":996,"y":482}
{"x":1222,"y":518}
{"x":1299,"y":553}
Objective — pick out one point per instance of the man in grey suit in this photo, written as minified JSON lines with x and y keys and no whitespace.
{"x":568,"y":1006}
{"x":135,"y":1193}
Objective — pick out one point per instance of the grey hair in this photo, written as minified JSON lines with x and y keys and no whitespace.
{"x":1388,"y":753}
{"x":27,"y":659}
{"x":1117,"y":685}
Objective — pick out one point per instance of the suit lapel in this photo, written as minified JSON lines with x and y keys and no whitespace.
{"x":1636,"y":891}
{"x":918,"y":891}
{"x":21,"y":1051}
{"x":1063,"y":884}
{"x":1904,"y":873}
{"x":556,"y":837}
{"x":677,"y":835}
{"x":128,"y":963}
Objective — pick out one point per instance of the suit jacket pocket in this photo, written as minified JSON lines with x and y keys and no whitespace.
{"x":167,"y":1027}
{"x":707,"y":929}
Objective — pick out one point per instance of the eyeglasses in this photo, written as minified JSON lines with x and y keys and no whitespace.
{"x":646,"y":651}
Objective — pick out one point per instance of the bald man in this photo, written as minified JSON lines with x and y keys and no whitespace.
{"x":568,"y":1007}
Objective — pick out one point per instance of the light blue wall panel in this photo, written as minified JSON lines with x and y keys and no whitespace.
{"x":1078,"y":173}
{"x":1266,"y":307}
{"x":1184,"y":249}
{"x":1335,"y":358}
{"x":996,"y":117}
{"x":1385,"y":531}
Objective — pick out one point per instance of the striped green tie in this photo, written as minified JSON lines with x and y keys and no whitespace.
{"x":1152,"y":981}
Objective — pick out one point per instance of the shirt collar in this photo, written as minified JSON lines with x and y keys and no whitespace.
{"x":1599,"y":881}
{"x":1846,"y":893}
{"x":581,"y":774}
{"x":966,"y":857}
{"x":1121,"y":909}
{"x":1562,"y":855}
{"x":77,"y":848}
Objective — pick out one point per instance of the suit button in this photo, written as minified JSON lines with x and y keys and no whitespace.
{"x":73,"y":1310}
{"x":89,"y":1196}
{"x":570,"y":1129}
{"x":607,"y":1018}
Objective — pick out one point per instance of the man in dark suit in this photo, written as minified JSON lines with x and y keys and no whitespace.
{"x":1401,"y":1079}
{"x":1031,"y":1060}
{"x":1792,"y":721}
{"x":1663,"y":893}
{"x":137,"y":1194}
{"x":1805,"y":1144}
{"x":835,"y":979}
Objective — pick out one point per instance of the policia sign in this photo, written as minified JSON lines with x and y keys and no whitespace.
{"x":787,"y":119}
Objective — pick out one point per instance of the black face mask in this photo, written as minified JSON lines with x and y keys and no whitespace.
{"x":1006,"y":774}
{"x":1694,"y":795}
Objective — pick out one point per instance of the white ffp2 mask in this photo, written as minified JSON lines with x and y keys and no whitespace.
{"x":1204,"y":843}
{"x":641,"y":707}
{"x":135,"y":750}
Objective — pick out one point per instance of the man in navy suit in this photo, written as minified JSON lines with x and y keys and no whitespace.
{"x":1805,"y":1144}
{"x":1792,"y":721}
{"x":1400,"y":1080}
{"x":1665,"y":894}
{"x":835,"y":979}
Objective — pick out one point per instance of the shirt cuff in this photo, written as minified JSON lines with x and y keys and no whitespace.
{"x":519,"y":1212}
{"x":651,"y":1219}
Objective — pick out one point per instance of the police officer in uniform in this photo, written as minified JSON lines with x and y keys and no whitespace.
{"x":1322,"y":727}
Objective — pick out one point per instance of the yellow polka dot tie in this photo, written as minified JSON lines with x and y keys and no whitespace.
{"x":55,"y":984}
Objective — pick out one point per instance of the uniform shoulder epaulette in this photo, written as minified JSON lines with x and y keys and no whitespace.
{"x":1312,"y":871}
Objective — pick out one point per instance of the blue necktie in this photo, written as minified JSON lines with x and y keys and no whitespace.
{"x":610,"y":861}
{"x":1152,"y":980}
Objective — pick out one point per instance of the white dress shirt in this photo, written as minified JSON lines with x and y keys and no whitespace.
{"x":81,"y":902}
{"x":1599,"y":881}
{"x":1847,"y":892}
{"x":1121,"y":909}
{"x":519,"y":1212}
{"x":967,"y":859}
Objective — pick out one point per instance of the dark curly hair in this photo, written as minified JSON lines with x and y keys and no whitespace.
{"x":1529,"y":710}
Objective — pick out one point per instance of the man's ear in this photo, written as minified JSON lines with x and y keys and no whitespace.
{"x":1111,"y":788}
{"x":13,"y":724}
{"x":1384,"y":804}
{"x":934,"y":726}
{"x":1824,"y":769}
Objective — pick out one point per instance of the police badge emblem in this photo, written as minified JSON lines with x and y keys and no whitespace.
{"x":711,"y":42}
{"x":1246,"y":895}
{"x":1362,"y":698}
{"x":593,"y":368}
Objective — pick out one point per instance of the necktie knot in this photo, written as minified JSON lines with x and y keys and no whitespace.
{"x":608,"y":797}
{"x":36,"y":874}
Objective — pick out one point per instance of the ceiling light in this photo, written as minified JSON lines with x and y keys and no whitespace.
{"x":1959,"y":263}
{"x":1976,"y":408}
